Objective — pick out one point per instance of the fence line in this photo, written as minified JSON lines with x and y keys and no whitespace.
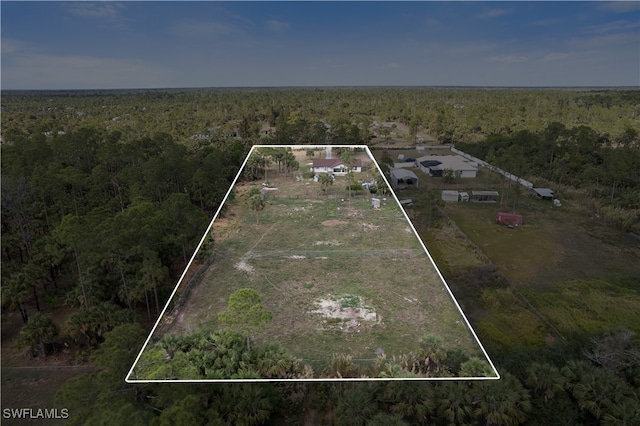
{"x":504,"y":173}
{"x":182,"y":296}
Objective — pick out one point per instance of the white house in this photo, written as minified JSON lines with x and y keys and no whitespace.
{"x":335,"y":166}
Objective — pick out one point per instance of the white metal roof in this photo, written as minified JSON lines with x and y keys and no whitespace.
{"x":403,"y":174}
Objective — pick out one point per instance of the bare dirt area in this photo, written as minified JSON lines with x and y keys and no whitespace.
{"x":334,"y":222}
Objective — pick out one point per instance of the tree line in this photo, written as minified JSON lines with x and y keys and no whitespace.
{"x":447,"y":114}
{"x":578,"y":381}
{"x":105,"y":225}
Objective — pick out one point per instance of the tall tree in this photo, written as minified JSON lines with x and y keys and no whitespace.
{"x":245,"y":312}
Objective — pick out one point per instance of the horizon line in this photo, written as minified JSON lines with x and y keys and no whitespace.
{"x":318,"y":87}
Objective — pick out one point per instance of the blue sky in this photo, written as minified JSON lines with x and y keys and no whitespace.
{"x":90,"y":45}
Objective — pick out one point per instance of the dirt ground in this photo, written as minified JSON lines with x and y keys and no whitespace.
{"x":29,"y":382}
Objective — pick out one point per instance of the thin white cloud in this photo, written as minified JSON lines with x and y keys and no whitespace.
{"x":605,"y":41}
{"x":432,"y":22}
{"x":492,"y":13}
{"x":619,"y":6}
{"x":276,"y":26}
{"x":509,"y":59}
{"x":554,"y":56}
{"x":101,"y":10}
{"x":393,"y":65}
{"x":615,"y":26}
{"x":10,"y":45}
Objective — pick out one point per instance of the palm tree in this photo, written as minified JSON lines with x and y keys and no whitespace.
{"x":348,"y":158}
{"x":256,"y":203}
{"x":356,"y":404}
{"x":501,"y":402}
{"x":475,"y":367}
{"x":432,"y":352}
{"x":454,"y":403}
{"x":325,"y":180}
{"x":273,"y":362}
{"x":246,"y":404}
{"x":38,"y":333}
{"x":545,"y":380}
{"x":410,"y":400}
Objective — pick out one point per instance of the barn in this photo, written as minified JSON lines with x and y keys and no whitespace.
{"x":509,"y":219}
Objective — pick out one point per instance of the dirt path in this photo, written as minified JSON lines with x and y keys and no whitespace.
{"x":36,"y":387}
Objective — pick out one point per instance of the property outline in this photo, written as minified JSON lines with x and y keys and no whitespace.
{"x":468,"y":326}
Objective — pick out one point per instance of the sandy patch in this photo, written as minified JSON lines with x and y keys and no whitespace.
{"x":244,"y":266}
{"x":351,"y":318}
{"x":370,"y":227}
{"x":334,"y":222}
{"x":296,"y":256}
{"x":328,"y":243}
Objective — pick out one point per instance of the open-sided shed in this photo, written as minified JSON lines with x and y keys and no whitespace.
{"x":403,"y":178}
{"x":543,"y":193}
{"x":485,"y":196}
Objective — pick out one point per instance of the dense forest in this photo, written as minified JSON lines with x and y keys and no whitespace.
{"x":105,"y":196}
{"x":449,"y":114}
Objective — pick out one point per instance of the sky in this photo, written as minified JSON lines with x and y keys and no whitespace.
{"x":121,"y":44}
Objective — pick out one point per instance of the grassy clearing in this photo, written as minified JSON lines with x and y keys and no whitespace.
{"x":579,"y":274}
{"x":303,"y":249}
{"x":590,"y":306}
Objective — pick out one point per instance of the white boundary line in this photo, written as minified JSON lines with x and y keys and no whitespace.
{"x":206,"y":233}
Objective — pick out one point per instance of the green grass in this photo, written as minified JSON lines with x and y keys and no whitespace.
{"x":295,"y":258}
{"x":579,"y":274}
{"x":590,"y":306}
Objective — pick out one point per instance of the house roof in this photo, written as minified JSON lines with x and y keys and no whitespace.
{"x":453,"y":162}
{"x":333,"y":162}
{"x":509,"y":215}
{"x":544,"y":192}
{"x":486,"y":193}
{"x":404,"y":165}
{"x":403,"y":174}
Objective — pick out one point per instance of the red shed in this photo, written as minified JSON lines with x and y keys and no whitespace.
{"x":509,"y":219}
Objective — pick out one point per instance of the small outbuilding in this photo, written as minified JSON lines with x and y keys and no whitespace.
{"x":509,"y":219}
{"x":403,"y":178}
{"x":485,"y":196}
{"x":543,"y":193}
{"x":450,"y":196}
